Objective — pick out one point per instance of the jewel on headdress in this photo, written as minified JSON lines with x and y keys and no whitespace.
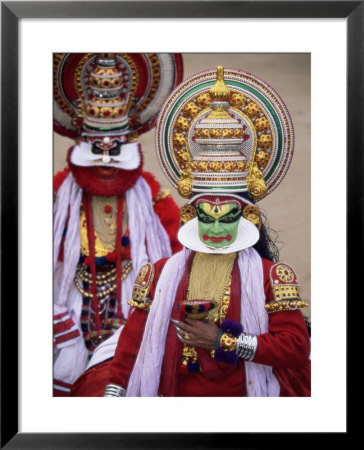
{"x":220,"y":91}
{"x":256,"y":184}
{"x":187,"y":212}
{"x":252,"y":213}
{"x":185,"y":183}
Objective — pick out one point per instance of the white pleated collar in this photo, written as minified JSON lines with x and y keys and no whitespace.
{"x":248,"y":235}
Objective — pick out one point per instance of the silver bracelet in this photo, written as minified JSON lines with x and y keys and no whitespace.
{"x":246,"y":346}
{"x":113,"y":390}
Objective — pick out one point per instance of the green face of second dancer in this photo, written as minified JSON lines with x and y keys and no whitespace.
{"x":218,"y":224}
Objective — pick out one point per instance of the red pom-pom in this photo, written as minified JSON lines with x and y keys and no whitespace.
{"x":111,"y":257}
{"x":152,"y":182}
{"x":168,"y":213}
{"x":59,"y":178}
{"x":125,"y":253}
{"x":87,"y":261}
{"x":108,"y":209}
{"x":183,"y":369}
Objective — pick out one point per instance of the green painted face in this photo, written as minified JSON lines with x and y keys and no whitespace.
{"x":218,"y":224}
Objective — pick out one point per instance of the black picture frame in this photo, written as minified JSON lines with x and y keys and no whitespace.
{"x":11,"y":12}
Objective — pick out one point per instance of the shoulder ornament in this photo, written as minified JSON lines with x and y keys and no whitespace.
{"x":164,"y":193}
{"x":285,"y":287}
{"x":142,"y":287}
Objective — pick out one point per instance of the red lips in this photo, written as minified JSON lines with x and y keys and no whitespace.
{"x":217,"y":239}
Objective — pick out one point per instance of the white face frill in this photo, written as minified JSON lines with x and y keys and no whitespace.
{"x":128,"y":159}
{"x":248,"y":235}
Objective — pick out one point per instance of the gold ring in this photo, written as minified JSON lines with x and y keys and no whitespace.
{"x":186,"y":336}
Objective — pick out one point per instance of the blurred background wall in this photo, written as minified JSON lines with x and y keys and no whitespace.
{"x":288,"y":207}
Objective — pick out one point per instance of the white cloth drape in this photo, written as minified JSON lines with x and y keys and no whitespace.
{"x":149,"y":242}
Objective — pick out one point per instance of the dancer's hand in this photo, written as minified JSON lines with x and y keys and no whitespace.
{"x":197,"y":333}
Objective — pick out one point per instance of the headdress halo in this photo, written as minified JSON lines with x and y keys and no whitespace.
{"x":111,"y":93}
{"x":224,"y":131}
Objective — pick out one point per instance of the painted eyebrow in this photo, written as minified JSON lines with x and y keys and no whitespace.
{"x":233,"y":211}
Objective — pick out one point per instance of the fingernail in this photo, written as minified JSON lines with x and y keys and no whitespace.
{"x":174,"y":321}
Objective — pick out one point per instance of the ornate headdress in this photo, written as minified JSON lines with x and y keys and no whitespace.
{"x":225,"y":132}
{"x":111,"y":94}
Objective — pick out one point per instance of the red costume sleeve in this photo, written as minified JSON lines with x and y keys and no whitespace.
{"x":127,"y":348}
{"x":168,"y":213}
{"x":130,"y":339}
{"x":287,"y":343}
{"x":166,"y":209}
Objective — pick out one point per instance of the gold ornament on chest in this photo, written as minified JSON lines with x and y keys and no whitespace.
{"x":210,"y":280}
{"x":104,"y":216}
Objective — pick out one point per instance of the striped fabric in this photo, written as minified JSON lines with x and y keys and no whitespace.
{"x":61,"y":389}
{"x":64,"y":330}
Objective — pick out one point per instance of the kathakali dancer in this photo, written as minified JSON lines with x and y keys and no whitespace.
{"x":110,"y":217}
{"x":221,"y":317}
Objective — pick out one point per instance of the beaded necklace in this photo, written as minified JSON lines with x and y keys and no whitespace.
{"x":209,"y":277}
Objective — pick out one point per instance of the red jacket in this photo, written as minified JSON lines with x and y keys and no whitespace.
{"x":285,"y":347}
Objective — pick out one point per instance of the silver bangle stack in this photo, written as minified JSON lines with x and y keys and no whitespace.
{"x":113,"y":390}
{"x":246,"y":346}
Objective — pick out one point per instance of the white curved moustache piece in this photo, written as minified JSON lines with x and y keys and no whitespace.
{"x":128,"y":159}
